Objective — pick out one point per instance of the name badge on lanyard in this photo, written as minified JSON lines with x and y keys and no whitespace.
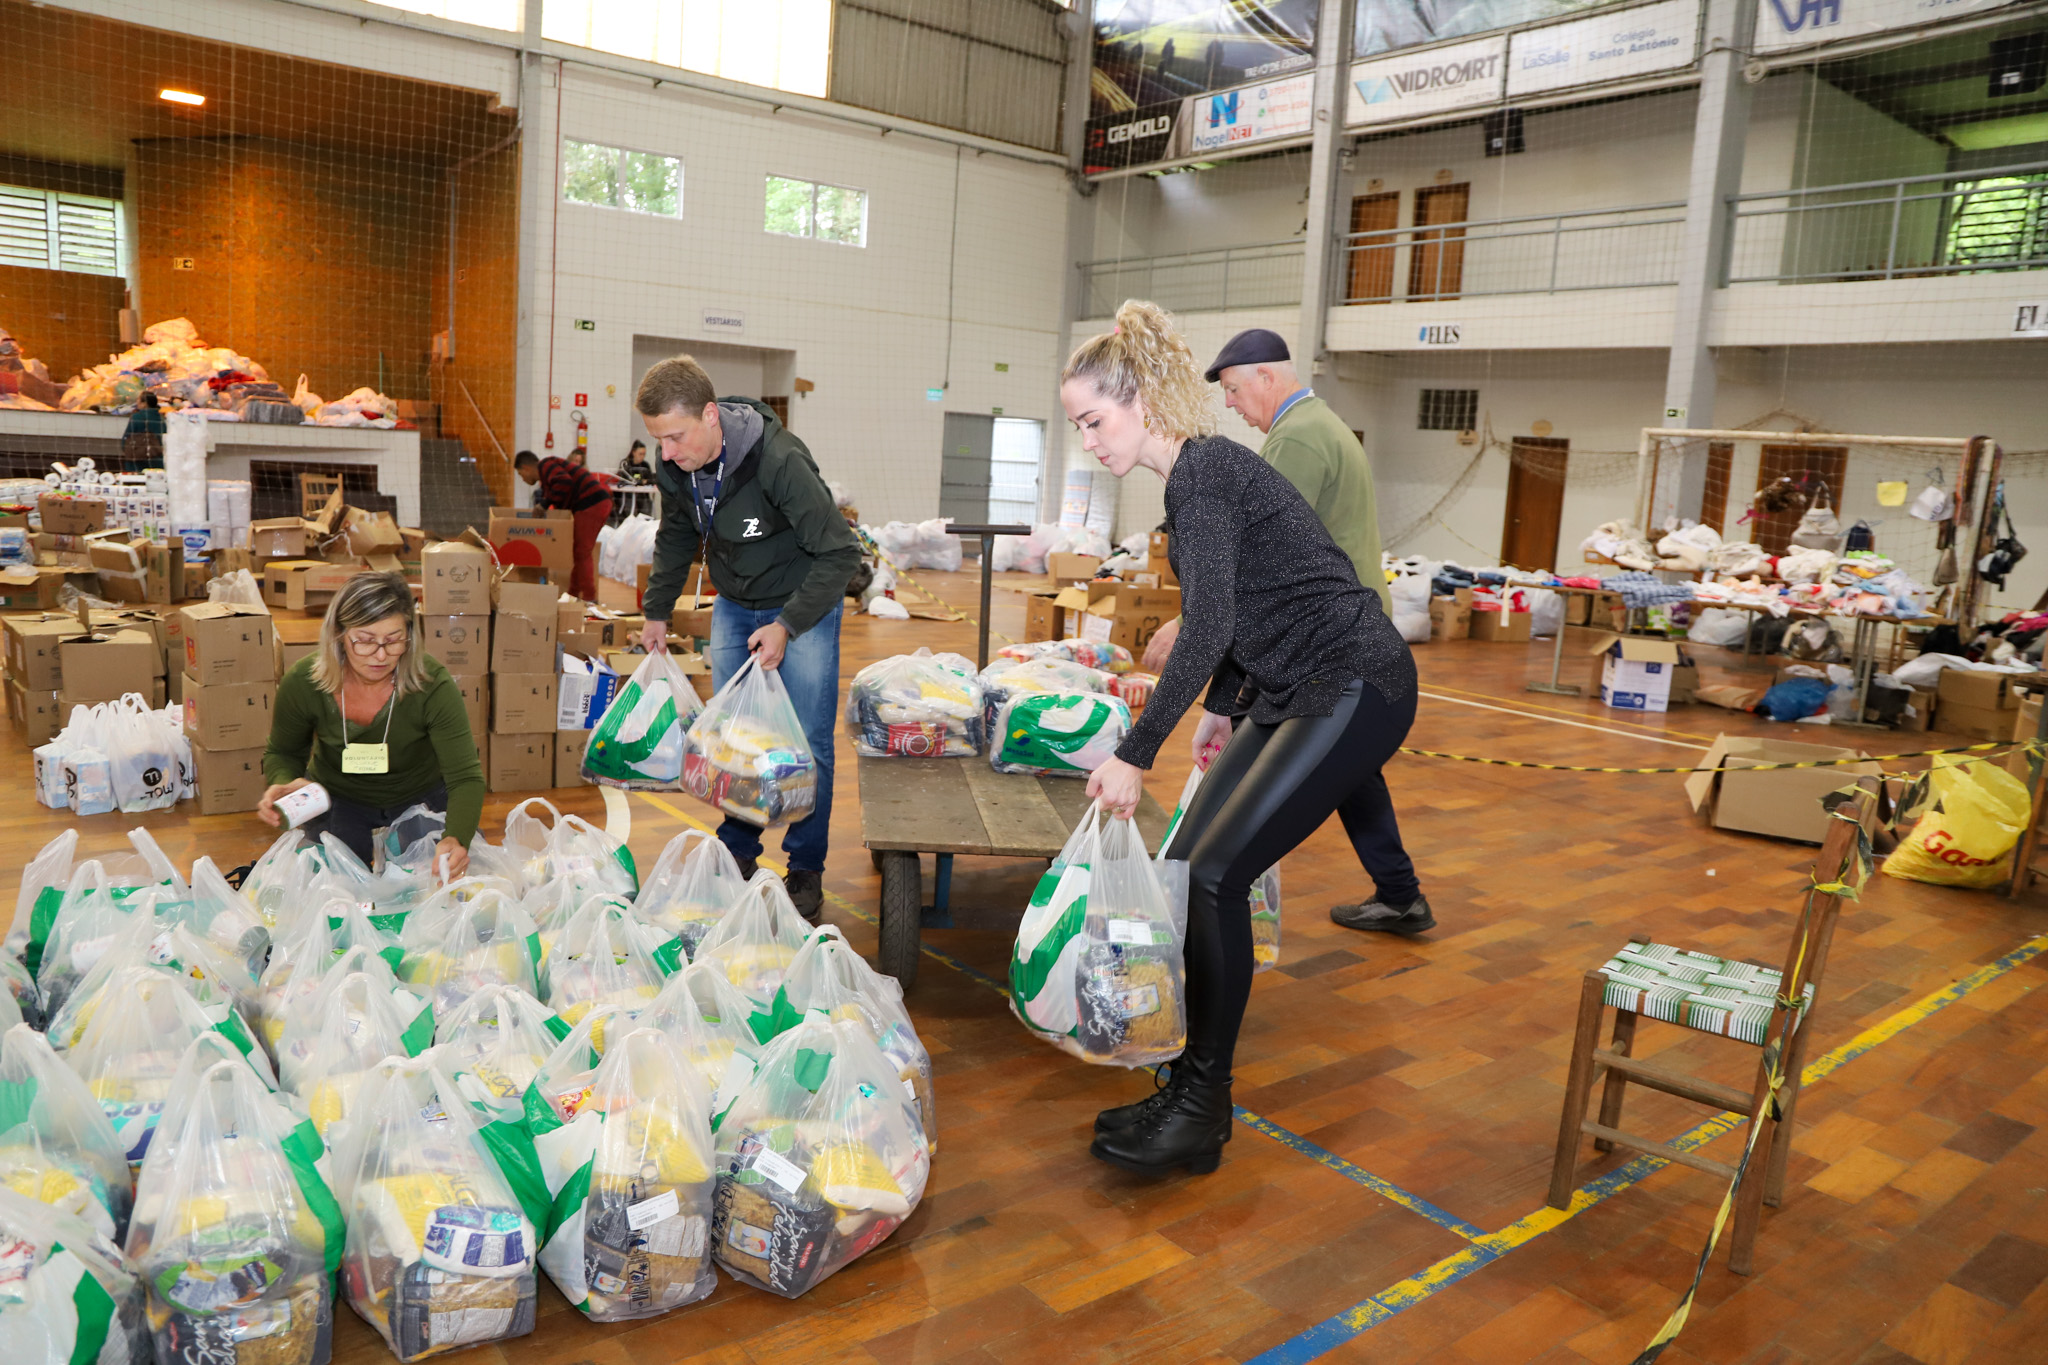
{"x":366,"y":759}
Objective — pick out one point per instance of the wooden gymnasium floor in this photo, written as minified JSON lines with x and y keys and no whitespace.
{"x":1388,"y":1206}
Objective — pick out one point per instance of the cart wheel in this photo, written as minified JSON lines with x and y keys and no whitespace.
{"x":902,"y":915}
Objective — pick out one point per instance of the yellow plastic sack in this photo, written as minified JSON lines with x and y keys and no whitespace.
{"x":1967,"y":834}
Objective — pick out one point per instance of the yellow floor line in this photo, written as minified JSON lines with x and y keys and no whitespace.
{"x":1530,"y":706}
{"x":1575,"y":724}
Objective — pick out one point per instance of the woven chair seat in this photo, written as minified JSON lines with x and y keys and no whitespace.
{"x":1717,"y":995}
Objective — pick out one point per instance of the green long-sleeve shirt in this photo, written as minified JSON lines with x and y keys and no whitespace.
{"x":430,"y":743}
{"x":1315,"y":450}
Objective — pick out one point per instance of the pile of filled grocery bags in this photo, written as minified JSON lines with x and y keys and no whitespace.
{"x":223,"y":1108}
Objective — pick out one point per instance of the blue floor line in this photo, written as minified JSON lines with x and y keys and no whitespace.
{"x":1358,"y":1175}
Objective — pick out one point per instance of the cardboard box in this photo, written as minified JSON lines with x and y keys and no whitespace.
{"x":599,"y":636}
{"x":110,"y":665}
{"x":23,"y":588}
{"x":35,"y":714}
{"x":278,"y":536}
{"x":230,"y":715}
{"x":1978,"y":722}
{"x":1067,"y":569}
{"x":1782,"y":802}
{"x":305,"y":584}
{"x":525,"y":536}
{"x":141,"y":571}
{"x":1636,"y":671}
{"x":535,"y":601}
{"x":31,"y":647}
{"x":297,"y":637}
{"x":174,"y":687}
{"x":94,"y":696}
{"x":1922,"y":719}
{"x":1974,"y":688}
{"x":62,"y":516}
{"x":520,"y":763}
{"x":227,"y":781}
{"x":1124,"y":613}
{"x":523,"y":703}
{"x":522,"y":644}
{"x":569,"y":747}
{"x":373,"y":535}
{"x":461,"y":643}
{"x":455,"y":579}
{"x":1685,"y":684}
{"x":584,"y":687}
{"x":1157,"y":558}
{"x":691,"y":618}
{"x":476,"y":699}
{"x":1502,"y":627}
{"x":1450,"y":618}
{"x":154,"y":624}
{"x":227,"y":642}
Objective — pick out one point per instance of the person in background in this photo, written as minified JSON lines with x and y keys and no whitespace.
{"x":566,"y":487}
{"x":384,"y":725}
{"x":736,"y":483}
{"x":1310,"y":690}
{"x":578,"y":458}
{"x":634,"y":468}
{"x":142,"y":440}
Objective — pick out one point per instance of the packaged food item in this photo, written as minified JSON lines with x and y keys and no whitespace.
{"x":221,"y":985}
{"x":694,"y":885}
{"x":638,"y":1145}
{"x":502,"y":1036}
{"x":57,"y":1146}
{"x":1097,"y":968}
{"x":1133,"y":689}
{"x":66,"y":1298}
{"x":604,"y":957}
{"x":232,"y":1247}
{"x":819,"y":1160}
{"x":918,"y":705}
{"x":747,"y":755}
{"x":440,"y":1254}
{"x":638,"y":742}
{"x":704,"y":1018}
{"x":1096,"y":654}
{"x":828,"y":980}
{"x":303,"y":806}
{"x":1057,"y":734}
{"x":465,"y":938}
{"x":1265,"y":900}
{"x":754,"y":945}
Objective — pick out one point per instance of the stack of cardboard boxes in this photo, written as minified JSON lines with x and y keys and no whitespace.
{"x":55,"y":662}
{"x":455,"y":624}
{"x":230,"y":690}
{"x":520,"y":752}
{"x":1980,"y":705}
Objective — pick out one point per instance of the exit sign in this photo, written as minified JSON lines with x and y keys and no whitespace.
{"x":585,"y":325}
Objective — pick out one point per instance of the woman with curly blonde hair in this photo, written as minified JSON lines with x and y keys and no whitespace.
{"x":1310,"y":691}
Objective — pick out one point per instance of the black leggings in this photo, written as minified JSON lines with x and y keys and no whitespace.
{"x":1272,"y":787}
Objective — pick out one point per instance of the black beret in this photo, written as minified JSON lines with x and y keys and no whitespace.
{"x":1253,"y":346}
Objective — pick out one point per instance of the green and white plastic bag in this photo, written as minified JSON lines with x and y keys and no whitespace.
{"x":603,"y":957}
{"x":638,"y":742}
{"x":352,"y":1023}
{"x":465,"y":937}
{"x":755,"y":944}
{"x":502,"y":1036}
{"x":828,"y":980}
{"x":630,"y":1175}
{"x":143,"y":942}
{"x":694,"y":885}
{"x":1047,"y":951}
{"x":1057,"y":734}
{"x":56,"y":1145}
{"x":66,"y":1298}
{"x":705,"y":1019}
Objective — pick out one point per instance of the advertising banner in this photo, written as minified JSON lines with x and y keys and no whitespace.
{"x":1603,"y":47}
{"x":1389,"y":89}
{"x":1252,"y":113}
{"x":1390,"y":25}
{"x":1799,"y":23}
{"x":1151,"y":51}
{"x":1137,"y":138}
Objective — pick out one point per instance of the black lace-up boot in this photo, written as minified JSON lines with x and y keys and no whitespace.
{"x":1187,"y":1125}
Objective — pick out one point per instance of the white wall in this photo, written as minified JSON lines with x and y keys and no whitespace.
{"x":868,"y":326}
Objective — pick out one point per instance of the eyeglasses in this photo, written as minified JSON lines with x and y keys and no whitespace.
{"x":368,"y":646}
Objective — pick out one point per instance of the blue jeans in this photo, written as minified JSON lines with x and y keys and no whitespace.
{"x":810,"y":673}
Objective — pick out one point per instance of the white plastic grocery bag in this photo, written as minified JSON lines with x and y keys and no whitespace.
{"x":69,"y":1299}
{"x":695,"y":884}
{"x":754,"y":945}
{"x":704,"y":1018}
{"x":828,"y":980}
{"x":54,"y":1140}
{"x":142,"y":761}
{"x":747,"y":756}
{"x":638,"y":742}
{"x":1048,"y":944}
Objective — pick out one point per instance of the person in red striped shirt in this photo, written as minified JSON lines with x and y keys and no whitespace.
{"x":566,"y":487}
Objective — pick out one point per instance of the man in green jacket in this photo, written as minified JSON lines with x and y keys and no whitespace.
{"x":736,"y":483}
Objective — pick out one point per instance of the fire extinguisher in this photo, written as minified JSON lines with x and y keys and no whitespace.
{"x":582,"y":432}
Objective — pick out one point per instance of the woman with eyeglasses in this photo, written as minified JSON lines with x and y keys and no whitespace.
{"x":376,"y":722}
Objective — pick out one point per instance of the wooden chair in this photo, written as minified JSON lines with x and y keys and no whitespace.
{"x":1741,"y":1001}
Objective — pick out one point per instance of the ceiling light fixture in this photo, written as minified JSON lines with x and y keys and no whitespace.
{"x":182,"y":97}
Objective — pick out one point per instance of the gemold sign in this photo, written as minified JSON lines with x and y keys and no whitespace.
{"x":1250,"y":113}
{"x":1137,"y":137}
{"x":1783,"y":24}
{"x":1388,"y":89}
{"x":1604,"y":47}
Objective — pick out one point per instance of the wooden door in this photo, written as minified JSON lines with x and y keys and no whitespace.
{"x":1371,"y":277}
{"x":1714,"y":500}
{"x":1810,"y":465}
{"x":1436,"y":265}
{"x":1535,"y":511}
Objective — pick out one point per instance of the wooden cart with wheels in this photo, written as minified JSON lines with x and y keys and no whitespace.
{"x":951,"y":806}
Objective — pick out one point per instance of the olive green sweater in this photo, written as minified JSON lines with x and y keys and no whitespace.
{"x":1315,"y":450}
{"x":430,"y":743}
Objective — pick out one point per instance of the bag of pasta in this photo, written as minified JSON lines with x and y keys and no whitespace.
{"x":66,"y":1298}
{"x":354,"y":1022}
{"x":818,"y":1161}
{"x":1057,"y":734}
{"x":694,"y":885}
{"x":465,"y":937}
{"x":704,"y":1019}
{"x":630,"y":1173}
{"x":828,"y":980}
{"x":638,"y":742}
{"x":56,"y":1145}
{"x":235,"y":1236}
{"x":747,"y":756}
{"x":604,"y":957}
{"x":920,"y":705}
{"x":440,"y":1252}
{"x":502,"y":1036}
{"x":754,"y":945}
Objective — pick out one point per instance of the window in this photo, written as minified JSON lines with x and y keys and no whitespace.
{"x":46,"y":230}
{"x":2000,"y":223}
{"x":830,"y":213}
{"x":1449,"y":410}
{"x":614,"y":178}
{"x":782,"y":44}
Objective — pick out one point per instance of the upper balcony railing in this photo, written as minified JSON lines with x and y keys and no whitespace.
{"x":1262,"y":276}
{"x":1954,"y":223}
{"x":1623,"y":248}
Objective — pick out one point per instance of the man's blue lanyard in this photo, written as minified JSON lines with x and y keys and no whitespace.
{"x":704,"y":514}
